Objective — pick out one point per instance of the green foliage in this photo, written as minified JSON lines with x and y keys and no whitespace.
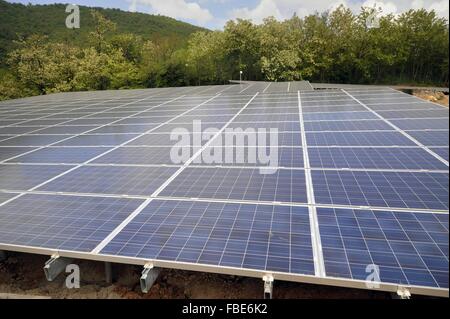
{"x":331,"y":47}
{"x":21,"y":21}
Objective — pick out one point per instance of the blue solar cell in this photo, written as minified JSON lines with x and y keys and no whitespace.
{"x":141,"y":155}
{"x":272,"y":238}
{"x":112,"y":180}
{"x":421,"y":124}
{"x":8,"y":152}
{"x":13,"y":130}
{"x":24,"y":177}
{"x":33,"y":140}
{"x":414,"y":114}
{"x":369,"y":125}
{"x":282,"y":185}
{"x":358,"y":139}
{"x":4,"y":197}
{"x":62,"y":222}
{"x":164,"y":139}
{"x":364,"y":238}
{"x":250,"y":156}
{"x":65,"y":130}
{"x":430,"y":138}
{"x":97,"y":140}
{"x":382,"y":189}
{"x":280,"y":126}
{"x":331,"y":108}
{"x":374,"y":158}
{"x":442,"y":152}
{"x":336,"y":116}
{"x":61,"y":155}
{"x":289,"y":139}
{"x":121,"y":129}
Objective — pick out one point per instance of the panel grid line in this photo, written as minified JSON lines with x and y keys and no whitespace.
{"x":314,"y":225}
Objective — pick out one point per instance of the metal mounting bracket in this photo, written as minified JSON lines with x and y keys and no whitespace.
{"x":148,"y":277}
{"x":403,"y":292}
{"x":54,"y":266}
{"x":268,"y":286}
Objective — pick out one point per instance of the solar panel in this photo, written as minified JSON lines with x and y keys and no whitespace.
{"x":443,"y":152}
{"x":409,"y":248}
{"x":8,"y":152}
{"x":382,"y":189}
{"x":431,"y":138}
{"x":120,"y":180}
{"x":240,"y":184}
{"x":62,"y":222}
{"x":272,"y":238}
{"x":360,"y":177}
{"x":72,"y":155}
{"x":374,"y":158}
{"x":358,"y":139}
{"x":24,"y":177}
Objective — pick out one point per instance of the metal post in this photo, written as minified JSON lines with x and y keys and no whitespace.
{"x":240,"y":77}
{"x":108,"y":273}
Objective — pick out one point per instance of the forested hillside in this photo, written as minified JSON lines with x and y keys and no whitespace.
{"x":337,"y":46}
{"x":25,"y":20}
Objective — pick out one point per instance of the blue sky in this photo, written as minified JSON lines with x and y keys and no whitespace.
{"x":214,"y":13}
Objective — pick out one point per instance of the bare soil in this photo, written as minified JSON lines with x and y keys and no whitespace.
{"x":22,"y":275}
{"x":432,"y":96}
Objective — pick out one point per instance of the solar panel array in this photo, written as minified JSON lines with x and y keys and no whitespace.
{"x":361,"y":179}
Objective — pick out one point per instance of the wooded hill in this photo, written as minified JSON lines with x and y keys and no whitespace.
{"x":18,"y":20}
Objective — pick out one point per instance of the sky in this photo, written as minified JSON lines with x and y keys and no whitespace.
{"x":213,"y":14}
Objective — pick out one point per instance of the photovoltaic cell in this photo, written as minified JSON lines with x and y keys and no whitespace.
{"x":441,"y":113}
{"x":442,"y":152}
{"x":97,"y":140}
{"x":371,"y":125}
{"x":283,"y":185}
{"x":250,"y":156}
{"x":33,"y":140}
{"x":409,"y":248}
{"x":421,"y":124}
{"x":430,"y":138}
{"x":374,"y":158}
{"x":68,"y":155}
{"x":382,"y":189}
{"x":265,"y":237}
{"x":8,"y":152}
{"x":4,"y":197}
{"x":336,"y":116}
{"x":62,"y":222}
{"x":111,"y":180}
{"x":140,"y":155}
{"x":24,"y":177}
{"x":358,"y":139}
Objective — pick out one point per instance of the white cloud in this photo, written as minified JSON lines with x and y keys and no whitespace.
{"x":263,"y":10}
{"x":441,"y":8}
{"x":385,"y":7}
{"x":178,"y":9}
{"x":284,"y":9}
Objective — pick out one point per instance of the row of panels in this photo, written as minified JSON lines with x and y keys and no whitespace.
{"x":281,"y":126}
{"x":238,"y":138}
{"x":409,"y":248}
{"x":418,"y":190}
{"x":392,"y":158}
